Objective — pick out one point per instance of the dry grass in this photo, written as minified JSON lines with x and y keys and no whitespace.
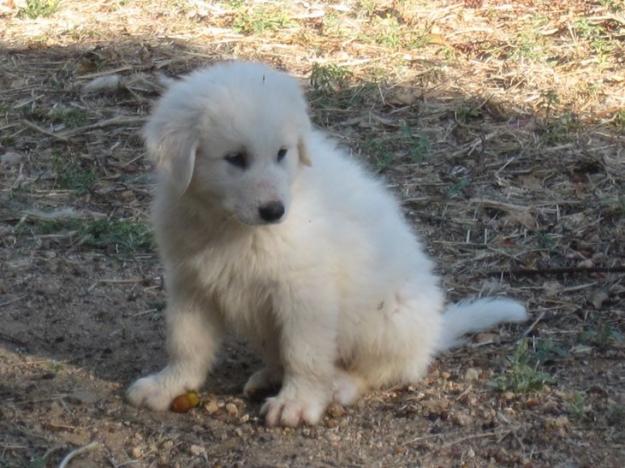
{"x":500,"y":124}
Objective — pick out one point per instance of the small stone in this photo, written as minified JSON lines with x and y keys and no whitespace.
{"x":472,"y":374}
{"x":136,"y":452}
{"x":598,"y":298}
{"x":196,"y":450}
{"x":508,"y":396}
{"x":245,"y":418}
{"x":586,"y":263}
{"x":461,"y":419}
{"x":211,"y":406}
{"x":435,"y":407}
{"x":470,"y":453}
{"x":232,"y":410}
{"x":127,"y":195}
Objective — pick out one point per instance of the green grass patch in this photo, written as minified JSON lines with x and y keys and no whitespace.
{"x":577,"y":406}
{"x":328,"y":78}
{"x":615,"y":415}
{"x":392,"y":148}
{"x":260,"y":19}
{"x":529,"y":46}
{"x":602,"y":336}
{"x":389,"y":33}
{"x":418,"y":144}
{"x":119,"y":235}
{"x":559,"y":130}
{"x":71,"y":175}
{"x":613,"y":5}
{"x":458,"y":187}
{"x":596,"y":36}
{"x":68,"y":116}
{"x":522,"y":374}
{"x":39,"y":8}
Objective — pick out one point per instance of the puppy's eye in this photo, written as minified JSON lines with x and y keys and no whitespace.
{"x":281,"y":154}
{"x":237,"y":159}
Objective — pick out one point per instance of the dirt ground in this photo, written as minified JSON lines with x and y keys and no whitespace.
{"x":500,"y":125}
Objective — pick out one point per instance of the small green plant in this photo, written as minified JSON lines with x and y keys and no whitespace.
{"x":613,"y":206}
{"x":328,"y":78}
{"x":619,"y":119}
{"x":576,"y":406}
{"x":615,"y":415}
{"x":261,"y":19}
{"x":70,"y":175}
{"x":465,"y":113}
{"x":613,"y":5}
{"x":602,"y":336}
{"x":368,"y":7}
{"x":548,"y":351}
{"x":528,"y":47}
{"x":418,"y":144}
{"x":39,"y":8}
{"x":522,"y":374}
{"x":458,"y":187}
{"x":68,"y":116}
{"x":380,"y":152}
{"x":389,"y":33}
{"x":560,"y":130}
{"x":545,"y":240}
{"x":596,"y":36}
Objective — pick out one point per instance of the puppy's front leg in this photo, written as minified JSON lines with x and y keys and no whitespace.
{"x":308,"y":352}
{"x":193,"y":336}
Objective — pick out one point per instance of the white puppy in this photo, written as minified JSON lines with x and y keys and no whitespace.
{"x":270,"y":231}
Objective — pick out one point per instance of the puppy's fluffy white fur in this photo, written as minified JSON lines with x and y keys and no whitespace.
{"x":337,"y":295}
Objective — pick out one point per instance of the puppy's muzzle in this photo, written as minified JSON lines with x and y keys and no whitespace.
{"x":272,"y":211}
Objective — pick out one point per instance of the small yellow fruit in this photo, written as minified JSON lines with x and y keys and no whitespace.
{"x":184,"y":403}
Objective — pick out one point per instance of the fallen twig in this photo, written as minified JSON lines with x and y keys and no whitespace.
{"x":118,"y":120}
{"x":11,"y":301}
{"x":555,"y":271}
{"x":78,"y":451}
{"x":116,"y":281}
{"x":44,"y":131}
{"x":534,"y":323}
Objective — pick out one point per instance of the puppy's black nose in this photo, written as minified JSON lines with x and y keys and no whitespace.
{"x":271,"y":211}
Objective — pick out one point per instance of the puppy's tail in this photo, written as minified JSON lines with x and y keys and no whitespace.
{"x":476,"y":315}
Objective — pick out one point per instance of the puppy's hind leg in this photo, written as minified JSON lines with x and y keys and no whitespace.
{"x":262,"y":382}
{"x":348,"y":387}
{"x":192,"y":340}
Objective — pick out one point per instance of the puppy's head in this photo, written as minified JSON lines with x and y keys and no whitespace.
{"x":233,"y":135}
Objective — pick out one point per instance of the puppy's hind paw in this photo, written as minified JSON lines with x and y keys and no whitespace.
{"x":262,"y":382}
{"x":150,"y":392}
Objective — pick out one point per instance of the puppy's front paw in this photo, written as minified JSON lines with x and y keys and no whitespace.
{"x":291,"y":408}
{"x":152,"y":392}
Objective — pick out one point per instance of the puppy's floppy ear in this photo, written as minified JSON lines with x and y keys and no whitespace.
{"x":173,"y":147}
